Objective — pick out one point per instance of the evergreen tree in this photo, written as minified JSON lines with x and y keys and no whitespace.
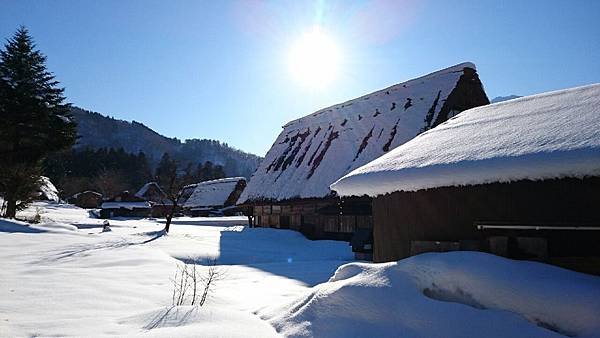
{"x":166,"y":169}
{"x":35,"y":118}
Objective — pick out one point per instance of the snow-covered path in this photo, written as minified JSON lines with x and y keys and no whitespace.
{"x":56,"y":281}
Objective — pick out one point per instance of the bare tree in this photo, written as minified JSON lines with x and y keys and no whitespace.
{"x":214,"y":274}
{"x":171,"y":180}
{"x":172,"y":185}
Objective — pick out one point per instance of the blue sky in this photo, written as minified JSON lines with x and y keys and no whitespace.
{"x":219,"y":69}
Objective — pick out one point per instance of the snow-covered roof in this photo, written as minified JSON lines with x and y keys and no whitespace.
{"x":145,"y":188}
{"x":151,"y":191}
{"x":87,"y":192}
{"x":544,"y":136}
{"x":126,"y":205}
{"x":314,"y":151}
{"x":212,"y":193}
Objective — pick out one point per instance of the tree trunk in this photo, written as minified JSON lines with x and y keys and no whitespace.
{"x":170,"y":217}
{"x":11,"y":208}
{"x":168,"y":224}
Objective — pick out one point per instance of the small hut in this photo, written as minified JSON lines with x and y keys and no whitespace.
{"x":519,"y":178}
{"x":290,"y":189}
{"x":86,"y":199}
{"x":125,"y":205}
{"x":153,"y":193}
{"x":213,"y":198}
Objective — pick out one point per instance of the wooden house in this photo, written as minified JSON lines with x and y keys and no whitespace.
{"x":86,"y":199}
{"x":125,"y":205}
{"x":153,"y":193}
{"x":519,"y":178}
{"x":212,"y":198}
{"x":290,"y":189}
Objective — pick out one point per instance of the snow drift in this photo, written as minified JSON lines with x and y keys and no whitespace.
{"x":456,"y":294}
{"x":544,"y":136}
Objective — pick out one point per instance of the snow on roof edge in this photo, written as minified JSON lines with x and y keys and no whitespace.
{"x":125,"y":205}
{"x":217,"y":181}
{"x":579,"y":163}
{"x":455,"y":68}
{"x":145,"y":187}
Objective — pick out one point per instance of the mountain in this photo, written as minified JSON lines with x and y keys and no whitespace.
{"x":504,"y":98}
{"x":99,"y":131}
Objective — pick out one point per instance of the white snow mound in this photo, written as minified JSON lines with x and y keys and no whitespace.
{"x":457,"y":294}
{"x":47,"y":190}
{"x":544,"y":136}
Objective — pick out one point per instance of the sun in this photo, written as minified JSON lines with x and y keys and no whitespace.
{"x":314,"y":59}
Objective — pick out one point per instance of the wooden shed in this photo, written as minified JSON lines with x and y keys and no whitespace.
{"x":153,"y":193}
{"x":519,"y":178}
{"x":290,"y":189}
{"x":86,"y":199}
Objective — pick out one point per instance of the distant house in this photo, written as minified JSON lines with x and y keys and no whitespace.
{"x":152,"y":192}
{"x":213,"y":197}
{"x":125,"y":205}
{"x":290,"y":189}
{"x":519,"y":178}
{"x":86,"y":199}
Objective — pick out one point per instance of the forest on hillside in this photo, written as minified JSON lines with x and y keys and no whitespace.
{"x":110,"y":171}
{"x":97,"y":131}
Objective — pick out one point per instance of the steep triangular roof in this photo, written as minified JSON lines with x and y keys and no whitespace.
{"x":215,"y":193}
{"x":314,"y":151}
{"x":151,"y":191}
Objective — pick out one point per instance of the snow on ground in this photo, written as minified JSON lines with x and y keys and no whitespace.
{"x":544,"y":136}
{"x":64,"y":277}
{"x":60,"y":281}
{"x":456,"y":294}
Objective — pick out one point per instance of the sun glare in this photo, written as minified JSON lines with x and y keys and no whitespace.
{"x":315,"y":59}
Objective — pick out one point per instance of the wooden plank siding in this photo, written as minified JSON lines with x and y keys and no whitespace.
{"x":449,"y":214}
{"x":309,"y":218}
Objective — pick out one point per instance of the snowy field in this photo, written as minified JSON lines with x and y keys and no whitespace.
{"x":64,"y":277}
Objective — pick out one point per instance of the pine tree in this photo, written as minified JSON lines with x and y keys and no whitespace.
{"x":35,"y":118}
{"x":165,"y":170}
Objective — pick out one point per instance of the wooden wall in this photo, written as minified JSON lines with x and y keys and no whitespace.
{"x":448,"y":214}
{"x":316,"y":219}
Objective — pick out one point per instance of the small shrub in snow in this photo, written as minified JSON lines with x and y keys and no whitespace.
{"x":37,"y":217}
{"x":191,"y":286}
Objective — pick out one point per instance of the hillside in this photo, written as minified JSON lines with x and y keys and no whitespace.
{"x":98,"y":131}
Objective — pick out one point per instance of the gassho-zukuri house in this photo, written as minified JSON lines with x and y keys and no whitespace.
{"x":213,"y":197}
{"x":290,"y":189}
{"x":519,"y":178}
